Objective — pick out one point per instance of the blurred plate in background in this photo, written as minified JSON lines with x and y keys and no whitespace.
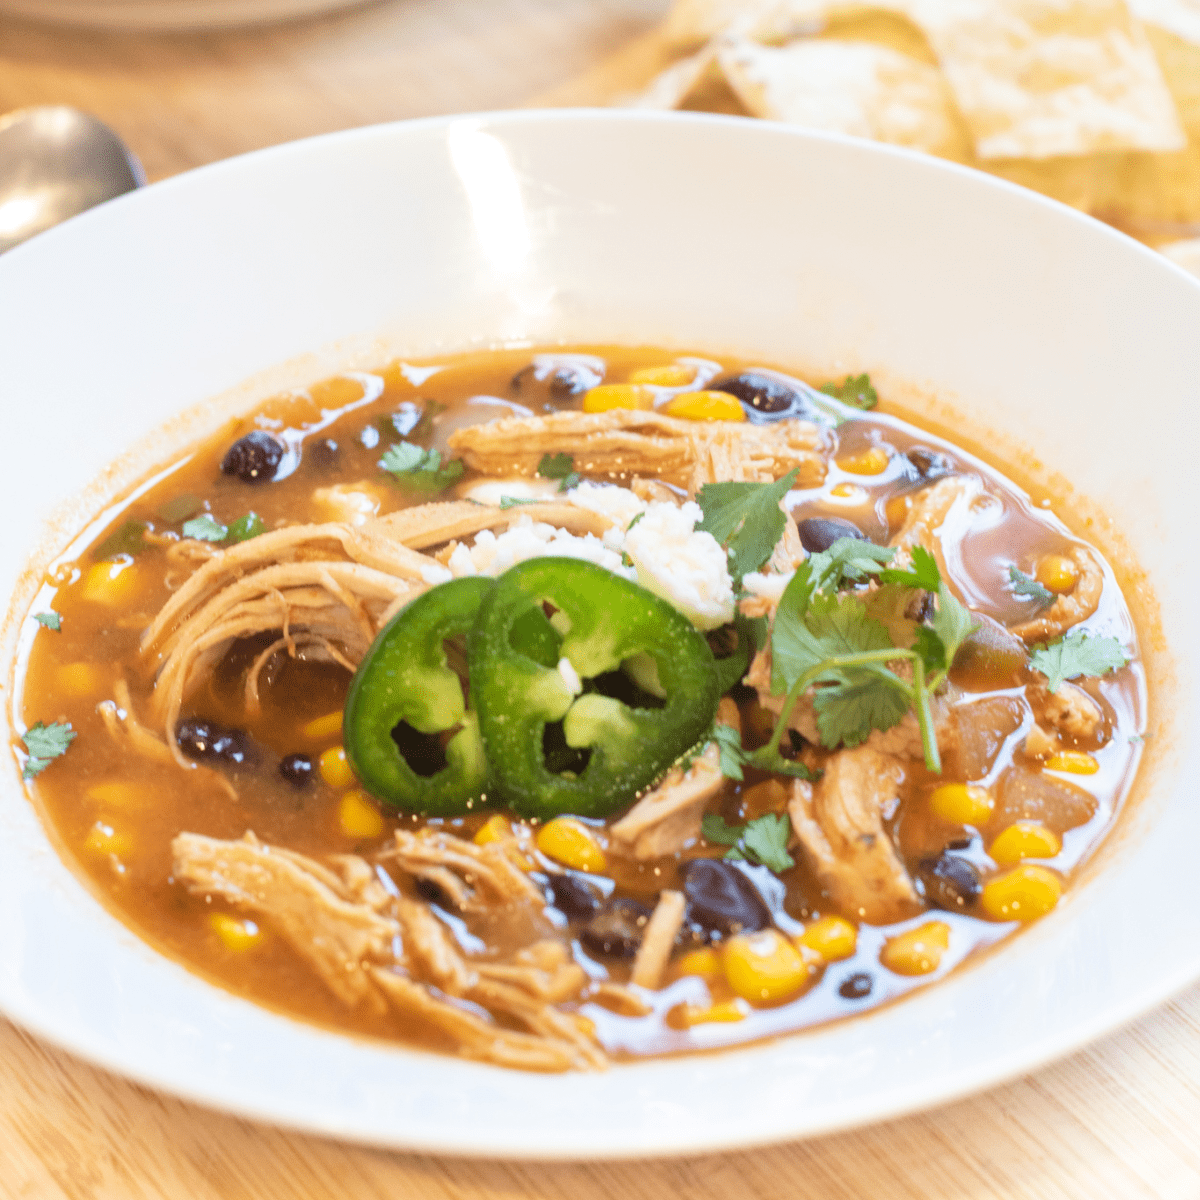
{"x":169,"y":14}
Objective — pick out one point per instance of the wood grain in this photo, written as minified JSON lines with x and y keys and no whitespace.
{"x":1116,"y":1122}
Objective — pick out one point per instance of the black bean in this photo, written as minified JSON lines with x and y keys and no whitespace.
{"x":768,"y":396}
{"x":572,"y":897}
{"x":202,"y":739}
{"x":322,"y":453}
{"x":561,"y":376}
{"x":949,"y":881}
{"x":253,"y":458}
{"x":819,"y":533}
{"x":721,"y":900}
{"x":928,"y":464}
{"x":616,"y":930}
{"x":297,"y":769}
{"x":856,"y":986}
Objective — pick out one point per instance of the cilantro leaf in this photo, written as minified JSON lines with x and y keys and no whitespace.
{"x":729,"y":744}
{"x":129,"y":539}
{"x":889,"y":605}
{"x":746,"y":519}
{"x":179,"y":508}
{"x":44,"y":743}
{"x":420,"y":470}
{"x":830,"y":627}
{"x":923,"y":572}
{"x":715,"y":830}
{"x":205,"y":528}
{"x":855,"y":390}
{"x":51,"y":620}
{"x":952,"y":622}
{"x":424,"y":425}
{"x":1077,"y":654}
{"x":636,"y":518}
{"x":516,"y":501}
{"x":847,"y":558}
{"x":857,"y":702}
{"x":1021,"y":584}
{"x":556,"y":466}
{"x":246,"y":527}
{"x":763,"y":840}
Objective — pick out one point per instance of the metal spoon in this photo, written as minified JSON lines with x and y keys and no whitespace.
{"x":55,"y":162}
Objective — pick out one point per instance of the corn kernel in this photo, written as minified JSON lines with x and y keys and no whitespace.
{"x":111,"y":583}
{"x":833,"y":938}
{"x":1074,"y":761}
{"x":334,"y":768}
{"x":495,"y":829}
{"x":618,"y":395}
{"x":870,"y":462}
{"x":1025,"y":839}
{"x":961,"y":803}
{"x":705,"y":962}
{"x":571,"y":844}
{"x":1023,"y":894}
{"x":705,"y":406}
{"x":119,"y":794}
{"x":896,"y":510}
{"x":235,"y":934}
{"x":358,"y":816}
{"x":688,"y":1015}
{"x":917,"y":951}
{"x":104,"y":839}
{"x":848,"y":493}
{"x":320,"y":729}
{"x":1057,"y":573}
{"x":81,"y":678}
{"x":765,"y":967}
{"x":671,"y":376}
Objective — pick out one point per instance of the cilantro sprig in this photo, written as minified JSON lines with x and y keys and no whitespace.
{"x":559,"y":466}
{"x":1021,"y":584}
{"x":206,"y":528}
{"x":1077,"y":654}
{"x":745,"y":518}
{"x":763,"y":840}
{"x":44,"y":743}
{"x":419,"y":470}
{"x":829,"y":641}
{"x":855,"y":390}
{"x":50,"y":619}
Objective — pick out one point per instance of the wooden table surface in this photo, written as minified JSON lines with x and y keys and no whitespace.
{"x":1119,"y":1121}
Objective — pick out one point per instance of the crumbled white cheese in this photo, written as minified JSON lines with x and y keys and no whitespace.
{"x":570,"y":676}
{"x":434,"y":573}
{"x":618,"y":504}
{"x":492,"y":491}
{"x":769,"y":587}
{"x":354,"y":503}
{"x":525,"y":539}
{"x":684,"y":566}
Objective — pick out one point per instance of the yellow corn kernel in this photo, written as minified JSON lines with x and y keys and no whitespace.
{"x":833,"y":938}
{"x":334,"y":768}
{"x":1057,"y":573}
{"x":81,"y":678}
{"x":1024,"y":839}
{"x":849,"y":493}
{"x":917,"y":951}
{"x":672,"y":376}
{"x":870,"y":462}
{"x":104,"y":839}
{"x":688,"y":1015}
{"x":618,"y":395}
{"x":495,"y":829}
{"x":119,"y":794}
{"x":896,"y":510}
{"x":1023,"y":894}
{"x":234,"y":933}
{"x":358,"y":815}
{"x":572,"y":844}
{"x":322,"y":728}
{"x":705,"y":406}
{"x":961,"y":803}
{"x":705,"y":962}
{"x":765,"y":967}
{"x":111,"y":583}
{"x":1074,"y":761}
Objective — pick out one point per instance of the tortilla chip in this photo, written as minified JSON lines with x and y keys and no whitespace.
{"x":691,"y":23}
{"x":857,"y":88}
{"x":1180,"y":17}
{"x":1186,"y":254}
{"x":1039,"y":78}
{"x":677,"y":82}
{"x":889,"y":29}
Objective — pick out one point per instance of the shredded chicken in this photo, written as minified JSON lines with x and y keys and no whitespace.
{"x":939,"y":517}
{"x":444,"y":521}
{"x":658,"y":940}
{"x":1077,"y":605}
{"x":839,"y":825}
{"x":375,"y":947}
{"x":620,"y":442}
{"x":1069,"y":711}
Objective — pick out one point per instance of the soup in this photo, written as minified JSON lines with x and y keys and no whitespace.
{"x":560,"y":707}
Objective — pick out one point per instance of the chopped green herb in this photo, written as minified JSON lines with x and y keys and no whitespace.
{"x":922,"y":573}
{"x":45,"y":743}
{"x":559,"y":466}
{"x":517,"y":501}
{"x":636,"y":518}
{"x":179,"y":508}
{"x":847,"y":559}
{"x":746,"y":519}
{"x":420,"y":470}
{"x":1077,"y":654}
{"x":763,"y":840}
{"x":424,"y":425}
{"x":205,"y":528}
{"x":1021,"y":584}
{"x":246,"y":527}
{"x":51,"y":620}
{"x":855,"y":390}
{"x":729,"y":744}
{"x":129,"y":539}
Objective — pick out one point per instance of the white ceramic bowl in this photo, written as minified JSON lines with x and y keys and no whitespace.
{"x":1033,"y":322}
{"x":170,"y":15}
